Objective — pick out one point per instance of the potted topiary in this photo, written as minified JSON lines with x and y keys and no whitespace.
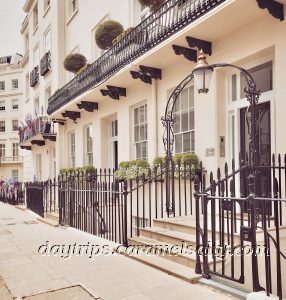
{"x":152,"y":4}
{"x":74,"y":62}
{"x":106,"y":33}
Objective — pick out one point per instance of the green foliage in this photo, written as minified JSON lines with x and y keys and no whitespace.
{"x":62,"y":171}
{"x":177,"y":158}
{"x":152,"y":4}
{"x":122,"y":35}
{"x":159,"y":160}
{"x":141,"y":163}
{"x":124,"y":165}
{"x":88,"y":168}
{"x":189,"y":158}
{"x":83,"y":69}
{"x":74,"y":62}
{"x":78,"y":169}
{"x":106,"y":33}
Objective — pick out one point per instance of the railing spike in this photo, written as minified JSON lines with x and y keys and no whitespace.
{"x":279,"y":159}
{"x":211,"y":177}
{"x":273,"y":159}
{"x":218,"y":173}
{"x":226,"y":169}
{"x":233,"y":165}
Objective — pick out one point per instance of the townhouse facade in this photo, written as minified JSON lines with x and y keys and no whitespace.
{"x":11,"y":96}
{"x":128,"y":126}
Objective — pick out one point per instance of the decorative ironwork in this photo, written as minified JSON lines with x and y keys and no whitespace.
{"x":45,"y":64}
{"x":275,"y":8}
{"x":143,"y":77}
{"x":205,"y":46}
{"x":73,"y":115}
{"x":88,"y":106}
{"x":159,"y":26}
{"x":60,"y":121}
{"x":189,"y":54}
{"x":34,"y":77}
{"x":146,"y":74}
{"x":114,"y":92}
{"x":38,"y":142}
{"x":26,"y":147}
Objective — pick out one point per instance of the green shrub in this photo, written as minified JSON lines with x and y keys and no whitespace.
{"x":106,"y":33}
{"x":189,"y":158}
{"x":74,"y":62}
{"x":63,"y":171}
{"x":88,"y":168}
{"x":133,"y":163}
{"x":177,"y":158}
{"x":152,"y":4}
{"x":124,"y":165}
{"x":83,"y":69}
{"x":141,"y":163}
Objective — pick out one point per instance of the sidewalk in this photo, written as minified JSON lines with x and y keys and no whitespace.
{"x":26,"y":272}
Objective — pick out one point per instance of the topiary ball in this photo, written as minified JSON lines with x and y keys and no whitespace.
{"x":74,"y":62}
{"x":106,"y":33}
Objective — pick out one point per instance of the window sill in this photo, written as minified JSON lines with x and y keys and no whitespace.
{"x":35,"y":30}
{"x":72,"y":16}
{"x":27,"y":100}
{"x":46,"y":11}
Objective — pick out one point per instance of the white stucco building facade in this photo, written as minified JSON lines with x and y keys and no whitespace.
{"x":11,"y":97}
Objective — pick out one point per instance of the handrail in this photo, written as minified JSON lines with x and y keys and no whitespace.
{"x":171,"y":17}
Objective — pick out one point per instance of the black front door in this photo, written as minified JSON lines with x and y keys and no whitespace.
{"x":264,"y":152}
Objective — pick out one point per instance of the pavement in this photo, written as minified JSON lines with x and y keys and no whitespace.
{"x":32,"y":261}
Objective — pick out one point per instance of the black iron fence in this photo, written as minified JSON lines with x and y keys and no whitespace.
{"x":241,"y":222}
{"x":98,"y":203}
{"x":171,"y":17}
{"x":42,"y":197}
{"x":12,"y":193}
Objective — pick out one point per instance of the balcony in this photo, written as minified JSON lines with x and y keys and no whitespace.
{"x":34,"y":77}
{"x":170,"y":18}
{"x":36,"y":132}
{"x":11,"y":160}
{"x":45,"y":64}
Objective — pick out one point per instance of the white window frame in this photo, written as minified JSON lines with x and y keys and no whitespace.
{"x":88,"y":145}
{"x":47,"y":46}
{"x":181,"y":132}
{"x":144,"y":123}
{"x":4,"y":126}
{"x":2,"y":106}
{"x":47,"y":6}
{"x":15,"y":84}
{"x":13,"y":104}
{"x":36,"y":56}
{"x":72,"y":150}
{"x":13,"y":125}
{"x":35,"y":17}
{"x":15,"y":174}
{"x":2,"y":150}
{"x":15,"y":150}
{"x":2,"y":85}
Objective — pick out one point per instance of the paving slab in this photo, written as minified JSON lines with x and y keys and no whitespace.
{"x":35,"y":260}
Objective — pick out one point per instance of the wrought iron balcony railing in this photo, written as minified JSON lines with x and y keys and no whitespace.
{"x":171,"y":17}
{"x":11,"y":159}
{"x":34,"y":76}
{"x":45,"y":64}
{"x":39,"y":125}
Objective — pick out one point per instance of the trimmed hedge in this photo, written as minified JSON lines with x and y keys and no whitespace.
{"x":74,"y":62}
{"x":106,"y":33}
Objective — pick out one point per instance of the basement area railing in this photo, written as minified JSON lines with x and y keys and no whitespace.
{"x":171,"y":17}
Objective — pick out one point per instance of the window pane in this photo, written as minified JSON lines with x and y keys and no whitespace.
{"x":192,"y":141}
{"x":184,"y":99}
{"x":177,"y":105}
{"x":184,"y":120}
{"x":178,"y":143}
{"x":262,"y":75}
{"x":137,"y":133}
{"x":191,"y":120}
{"x":191,"y":96}
{"x":144,"y":150}
{"x":233,"y":87}
{"x":186,"y":142}
{"x":177,"y":123}
{"x":136,"y":117}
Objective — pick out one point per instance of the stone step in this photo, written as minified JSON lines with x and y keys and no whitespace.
{"x":53,"y":216}
{"x":174,"y":253}
{"x":187,"y":225}
{"x":48,"y":221}
{"x":168,"y":236}
{"x":185,"y":273}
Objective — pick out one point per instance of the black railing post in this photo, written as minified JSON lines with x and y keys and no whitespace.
{"x":253,"y":225}
{"x":125,"y":195}
{"x":198,"y":268}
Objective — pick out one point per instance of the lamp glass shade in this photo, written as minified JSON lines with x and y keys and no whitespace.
{"x":202,"y":78}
